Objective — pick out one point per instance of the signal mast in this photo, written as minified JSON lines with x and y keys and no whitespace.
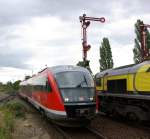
{"x":85,"y":22}
{"x":144,"y":47}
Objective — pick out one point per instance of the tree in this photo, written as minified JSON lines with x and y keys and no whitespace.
{"x":9,"y":84}
{"x":27,"y":77}
{"x":106,"y":61}
{"x":85,"y":64}
{"x":9,"y":87}
{"x":16,"y":85}
{"x":81,"y":64}
{"x":137,"y":50}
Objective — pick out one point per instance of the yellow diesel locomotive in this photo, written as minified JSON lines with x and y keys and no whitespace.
{"x":125,"y":91}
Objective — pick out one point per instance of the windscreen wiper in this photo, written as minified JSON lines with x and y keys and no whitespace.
{"x":79,"y":85}
{"x":84,"y":81}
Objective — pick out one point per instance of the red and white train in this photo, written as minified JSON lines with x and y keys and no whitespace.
{"x":65,"y":94}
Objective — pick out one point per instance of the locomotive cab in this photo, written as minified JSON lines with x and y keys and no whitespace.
{"x":78,"y":93}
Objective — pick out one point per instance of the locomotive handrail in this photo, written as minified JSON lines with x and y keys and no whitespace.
{"x":136,"y":96}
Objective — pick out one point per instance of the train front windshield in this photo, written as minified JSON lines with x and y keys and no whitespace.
{"x":76,"y":86}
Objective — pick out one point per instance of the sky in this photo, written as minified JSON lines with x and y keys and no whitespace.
{"x":39,"y":33}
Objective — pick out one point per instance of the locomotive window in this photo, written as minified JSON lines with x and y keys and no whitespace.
{"x":117,"y":86}
{"x":98,"y":82}
{"x":74,"y":79}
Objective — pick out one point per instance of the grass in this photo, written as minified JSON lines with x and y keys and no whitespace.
{"x":16,"y":108}
{"x":4,"y":134}
{"x":10,"y":112}
{"x":7,"y":89}
{"x":8,"y":125}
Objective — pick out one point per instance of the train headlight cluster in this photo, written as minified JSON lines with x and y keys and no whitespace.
{"x":66,"y":99}
{"x":91,"y":98}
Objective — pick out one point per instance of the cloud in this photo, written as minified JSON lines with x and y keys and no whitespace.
{"x":18,"y":11}
{"x":13,"y":51}
{"x":35,"y":33}
{"x":42,"y":41}
{"x":13,"y":74}
{"x":13,"y":60}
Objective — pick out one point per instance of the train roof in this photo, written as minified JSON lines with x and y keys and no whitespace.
{"x":63,"y":68}
{"x":58,"y":69}
{"x":132,"y":68}
{"x":101,"y":74}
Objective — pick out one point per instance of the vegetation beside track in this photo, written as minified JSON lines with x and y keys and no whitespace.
{"x":9,"y":112}
{"x":9,"y":87}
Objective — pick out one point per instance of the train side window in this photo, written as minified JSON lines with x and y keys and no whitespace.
{"x":48,"y":87}
{"x":98,"y":82}
{"x":117,"y":86}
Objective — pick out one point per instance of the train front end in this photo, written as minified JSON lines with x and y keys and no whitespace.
{"x":76,"y":87}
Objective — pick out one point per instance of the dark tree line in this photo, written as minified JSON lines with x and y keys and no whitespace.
{"x":9,"y":86}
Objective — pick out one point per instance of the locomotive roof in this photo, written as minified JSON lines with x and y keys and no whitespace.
{"x":63,"y":68}
{"x":132,"y":68}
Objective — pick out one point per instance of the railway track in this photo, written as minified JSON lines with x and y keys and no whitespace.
{"x":97,"y":133}
{"x":63,"y":133}
{"x":80,"y":132}
{"x":72,"y":132}
{"x":7,"y":97}
{"x":58,"y":132}
{"x":68,"y":132}
{"x":123,"y":120}
{"x":109,"y":128}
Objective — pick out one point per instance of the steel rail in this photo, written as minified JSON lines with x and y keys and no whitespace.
{"x":7,"y":98}
{"x":97,"y":133}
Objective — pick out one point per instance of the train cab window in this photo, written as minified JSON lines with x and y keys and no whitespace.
{"x":117,"y":86}
{"x":76,"y":86}
{"x":48,"y":87}
{"x":74,"y":79}
{"x":98,"y":82}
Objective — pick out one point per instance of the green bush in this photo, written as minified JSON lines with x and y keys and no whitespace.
{"x":11,"y":110}
{"x":16,"y":108}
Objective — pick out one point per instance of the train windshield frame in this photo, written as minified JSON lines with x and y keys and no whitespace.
{"x":76,"y":86}
{"x":74,"y":79}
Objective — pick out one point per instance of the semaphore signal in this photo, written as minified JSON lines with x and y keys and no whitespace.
{"x":85,"y":22}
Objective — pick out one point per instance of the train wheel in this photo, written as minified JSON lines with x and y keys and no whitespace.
{"x":108,"y":113}
{"x":115,"y":113}
{"x":133,"y":116}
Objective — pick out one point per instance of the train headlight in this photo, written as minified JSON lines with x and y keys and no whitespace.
{"x":66,"y":99}
{"x":91,"y":98}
